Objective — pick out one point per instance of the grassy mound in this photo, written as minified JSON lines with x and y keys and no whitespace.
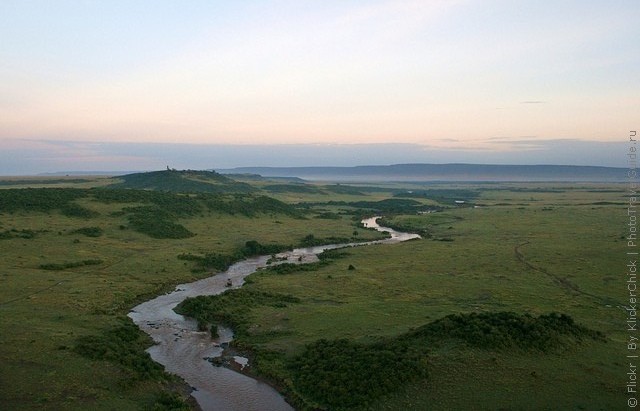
{"x":504,"y":330}
{"x":188,"y":181}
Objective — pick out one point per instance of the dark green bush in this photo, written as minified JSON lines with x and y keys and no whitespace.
{"x":170,"y":402}
{"x":38,"y":199}
{"x":45,"y":200}
{"x":210,"y":261}
{"x":231,"y":308}
{"x":342,"y":374}
{"x":13,"y":233}
{"x":328,"y":216}
{"x":502,"y":330}
{"x":64,"y":266}
{"x":387,"y":206}
{"x":89,"y":231}
{"x":75,"y":210}
{"x":311,"y":241}
{"x":158,"y":226}
{"x":253,"y":248}
{"x":125,"y":345}
{"x":221,"y":262}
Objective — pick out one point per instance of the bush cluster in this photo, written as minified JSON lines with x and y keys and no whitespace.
{"x":45,"y":200}
{"x":209,"y":261}
{"x":343,"y":374}
{"x":75,"y":210}
{"x":64,"y":266}
{"x":170,"y":402}
{"x":231,"y":308}
{"x":38,"y":199}
{"x":221,"y":262}
{"x":248,"y":205}
{"x":159,"y":212}
{"x":311,"y":241}
{"x":89,"y":231}
{"x":388,"y":206}
{"x":253,"y":248}
{"x":157,"y":224}
{"x":288,"y":268}
{"x":14,"y":233}
{"x":328,"y":215}
{"x":503,"y":330}
{"x":125,"y":345}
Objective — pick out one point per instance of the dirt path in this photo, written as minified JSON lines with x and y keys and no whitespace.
{"x":563,"y":282}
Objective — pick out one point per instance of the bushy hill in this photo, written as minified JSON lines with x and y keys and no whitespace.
{"x":185,"y":181}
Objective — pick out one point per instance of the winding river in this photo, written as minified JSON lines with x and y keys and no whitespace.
{"x":183,"y":350}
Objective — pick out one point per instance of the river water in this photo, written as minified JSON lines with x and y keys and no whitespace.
{"x":183,"y":350}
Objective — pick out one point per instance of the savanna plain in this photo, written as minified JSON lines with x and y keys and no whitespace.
{"x":513,"y":298}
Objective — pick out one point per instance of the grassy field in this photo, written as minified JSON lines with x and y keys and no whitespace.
{"x":535,"y":251}
{"x":44,"y":312}
{"x":530,"y":248}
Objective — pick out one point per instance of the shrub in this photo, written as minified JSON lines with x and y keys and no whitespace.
{"x":170,"y":402}
{"x":311,"y":241}
{"x":342,"y":374}
{"x":123,"y":344}
{"x":156,"y":226}
{"x":75,"y":210}
{"x":89,"y":231}
{"x":502,"y":330}
{"x":64,"y":266}
{"x":24,"y":233}
{"x":231,"y":308}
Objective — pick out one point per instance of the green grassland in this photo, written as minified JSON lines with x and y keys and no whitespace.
{"x":528,"y":249}
{"x":45,"y":312}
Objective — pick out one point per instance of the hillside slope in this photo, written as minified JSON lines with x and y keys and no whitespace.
{"x":186,"y":181}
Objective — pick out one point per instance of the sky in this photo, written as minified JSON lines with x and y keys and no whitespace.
{"x":129,"y":85}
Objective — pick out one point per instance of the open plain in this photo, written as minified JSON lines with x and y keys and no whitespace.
{"x":72,"y":268}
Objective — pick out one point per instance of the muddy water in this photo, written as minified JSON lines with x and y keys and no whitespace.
{"x":182,"y":349}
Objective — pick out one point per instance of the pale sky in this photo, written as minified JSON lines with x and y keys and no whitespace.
{"x":484,"y":75}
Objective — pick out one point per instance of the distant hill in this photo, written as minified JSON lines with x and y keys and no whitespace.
{"x":258,"y":177}
{"x":87,"y":173}
{"x":187,"y":181}
{"x":443,"y":172}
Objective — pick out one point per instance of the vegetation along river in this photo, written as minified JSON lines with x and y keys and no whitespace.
{"x":183,"y":350}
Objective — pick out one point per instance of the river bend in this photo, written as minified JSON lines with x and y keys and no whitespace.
{"x":182,"y":349}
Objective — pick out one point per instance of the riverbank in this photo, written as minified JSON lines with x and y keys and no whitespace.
{"x":571,"y":230}
{"x":394,"y":288}
{"x":181,"y":346}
